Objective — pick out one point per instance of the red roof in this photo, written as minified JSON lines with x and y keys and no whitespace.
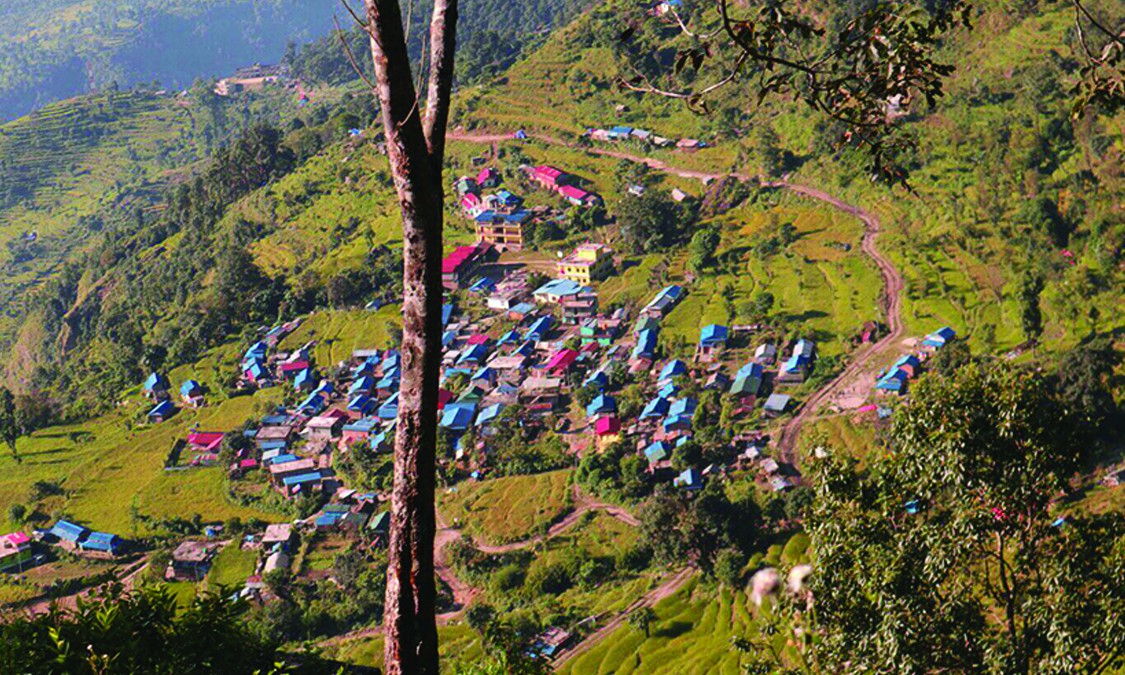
{"x":547,"y":173}
{"x":571,"y":192}
{"x":205,"y":440}
{"x":478,"y":339}
{"x":248,"y":464}
{"x":17,"y":538}
{"x":460,"y":256}
{"x":607,"y":425}
{"x":562,"y":359}
{"x":486,"y":174}
{"x":294,"y":366}
{"x":443,"y":396}
{"x":469,"y":201}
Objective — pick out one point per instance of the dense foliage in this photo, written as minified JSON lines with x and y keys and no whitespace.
{"x":950,"y":551}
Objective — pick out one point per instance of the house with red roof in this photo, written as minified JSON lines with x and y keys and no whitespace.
{"x":205,"y":441}
{"x":458,"y":267}
{"x":15,"y":551}
{"x":561,"y":361}
{"x":608,"y":431}
{"x":548,"y":176}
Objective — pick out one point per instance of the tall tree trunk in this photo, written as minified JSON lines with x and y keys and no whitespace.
{"x":416,"y":154}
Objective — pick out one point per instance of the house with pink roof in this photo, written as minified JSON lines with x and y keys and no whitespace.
{"x":561,"y":361}
{"x":15,"y":551}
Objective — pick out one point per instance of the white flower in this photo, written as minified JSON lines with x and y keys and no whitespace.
{"x":763,"y":584}
{"x":797,"y":577}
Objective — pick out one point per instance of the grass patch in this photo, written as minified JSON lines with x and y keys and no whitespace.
{"x":502,"y":510}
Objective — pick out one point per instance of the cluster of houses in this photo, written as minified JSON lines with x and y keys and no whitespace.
{"x":499,"y":217}
{"x":621,"y":132}
{"x":257,"y":369}
{"x":562,"y":183}
{"x":252,"y":78}
{"x":895,"y":380}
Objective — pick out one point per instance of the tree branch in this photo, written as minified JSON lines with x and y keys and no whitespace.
{"x":443,"y":42}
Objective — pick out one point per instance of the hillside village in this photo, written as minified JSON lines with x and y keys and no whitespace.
{"x":519,"y":346}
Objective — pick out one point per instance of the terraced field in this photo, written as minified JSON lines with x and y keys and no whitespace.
{"x":512,"y":508}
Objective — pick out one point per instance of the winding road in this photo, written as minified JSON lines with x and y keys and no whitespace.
{"x":858,"y":376}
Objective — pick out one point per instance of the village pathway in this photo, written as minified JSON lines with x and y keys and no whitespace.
{"x":852,"y":385}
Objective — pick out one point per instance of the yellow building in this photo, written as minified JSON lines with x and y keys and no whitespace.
{"x":587,"y":263}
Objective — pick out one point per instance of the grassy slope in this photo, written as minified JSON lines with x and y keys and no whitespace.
{"x":508,"y":509}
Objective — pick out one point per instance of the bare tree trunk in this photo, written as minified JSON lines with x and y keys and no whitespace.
{"x":416,"y":153}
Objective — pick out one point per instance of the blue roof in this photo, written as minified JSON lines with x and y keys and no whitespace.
{"x":162,"y":409}
{"x":304,"y":377}
{"x":65,"y":529}
{"x":751,"y":369}
{"x":777,"y":403}
{"x":805,"y":348}
{"x":458,"y":416}
{"x":560,"y":287}
{"x":668,"y":294}
{"x":474,"y":354}
{"x":365,"y":383}
{"x":656,"y":452}
{"x":189,"y":387}
{"x":277,"y":444}
{"x":939,"y":337}
{"x":657,"y":407}
{"x":677,"y":420}
{"x":522,"y":308}
{"x":539,"y":328}
{"x":510,"y":336}
{"x":256,"y":351}
{"x":672,"y":369}
{"x":484,"y":373}
{"x":447,"y":338}
{"x":646,"y":344}
{"x":389,"y":409}
{"x":102,"y":541}
{"x":284,"y":459}
{"x":526,"y":349}
{"x":601,"y":404}
{"x":314,"y":402}
{"x":795,"y":363}
{"x":488,"y":414}
{"x":254,"y":369}
{"x":329,"y":518}
{"x":276,"y":419}
{"x":153,"y":380}
{"x":712,"y":335}
{"x":446,"y":313}
{"x":689,"y":479}
{"x":598,"y":377}
{"x":362,"y":368}
{"x":361,"y":403}
{"x":619,"y":129}
{"x":363,"y":425}
{"x":907,"y":360}
{"x":668,"y":391}
{"x":482,"y":284}
{"x":301,"y":478}
{"x":683,"y":406}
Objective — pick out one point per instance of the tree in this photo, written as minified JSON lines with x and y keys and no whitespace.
{"x":945,"y":553}
{"x":701,"y":251}
{"x":767,"y":152}
{"x":650,"y":222}
{"x":1083,"y":375}
{"x":415,"y":141}
{"x":642,"y":619}
{"x":9,"y":424}
{"x":1031,"y":317}
{"x":693,"y":529}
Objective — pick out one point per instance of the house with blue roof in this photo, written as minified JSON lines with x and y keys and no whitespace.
{"x":364,"y":368}
{"x":646,"y":345}
{"x":191,"y":392}
{"x":689,"y":480}
{"x":389,"y":409}
{"x":598,"y":378}
{"x":939,"y":338}
{"x":663,"y":302}
{"x":489,"y":414}
{"x":712,"y":341}
{"x":657,"y":451}
{"x":603,"y":404}
{"x":556,"y":290}
{"x":510,"y":337}
{"x":362,"y":385}
{"x":102,"y":543}
{"x":162,"y":411}
{"x":155,"y":386}
{"x":458,"y":416}
{"x":255,"y":371}
{"x":305,"y":380}
{"x":362,"y":404}
{"x":256,"y":352}
{"x":683,"y":406}
{"x":69,"y":534}
{"x":476,"y":354}
{"x":312,"y":405}
{"x":672,"y":369}
{"x":894,"y":381}
{"x":680,"y":422}
{"x":540,"y":328}
{"x":446,"y":313}
{"x":656,"y":408}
